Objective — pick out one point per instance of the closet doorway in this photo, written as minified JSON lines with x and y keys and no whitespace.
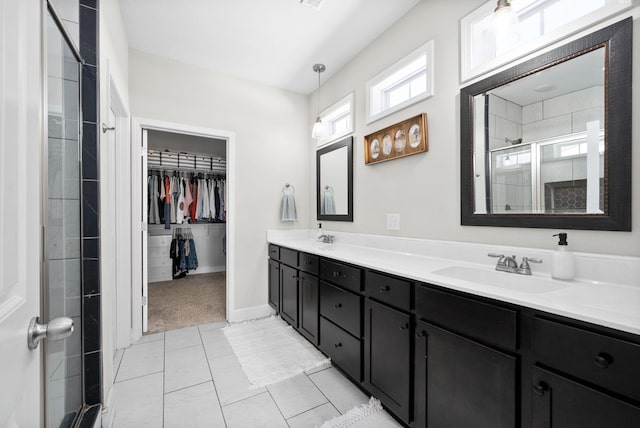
{"x":186,"y":248}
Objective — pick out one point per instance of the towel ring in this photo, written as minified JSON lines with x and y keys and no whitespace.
{"x":287,"y":186}
{"x":328,"y":188}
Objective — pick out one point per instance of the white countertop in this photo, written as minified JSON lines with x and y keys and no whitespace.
{"x":612,"y":304}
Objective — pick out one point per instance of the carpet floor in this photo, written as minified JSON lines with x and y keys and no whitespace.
{"x":193,"y":300}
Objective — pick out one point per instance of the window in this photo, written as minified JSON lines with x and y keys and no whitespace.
{"x":542,"y":22}
{"x":404,"y":83}
{"x":337,"y":120}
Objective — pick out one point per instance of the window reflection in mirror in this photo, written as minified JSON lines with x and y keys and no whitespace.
{"x":335,"y":181}
{"x":539,"y":141}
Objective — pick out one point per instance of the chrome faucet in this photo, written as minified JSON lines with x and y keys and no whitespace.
{"x":505,"y":263}
{"x":509,"y":264}
{"x":326,"y":239}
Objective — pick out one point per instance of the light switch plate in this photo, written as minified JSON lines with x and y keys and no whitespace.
{"x":393,"y":221}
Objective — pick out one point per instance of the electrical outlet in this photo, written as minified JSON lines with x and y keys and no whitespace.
{"x":393,"y":221}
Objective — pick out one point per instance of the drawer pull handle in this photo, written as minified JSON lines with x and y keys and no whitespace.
{"x":384,"y":288}
{"x":602,"y":360}
{"x":337,"y":274}
{"x":295,"y":276}
{"x":277,"y":268}
{"x":540,"y":388}
{"x":338,"y":345}
{"x":421,"y":333}
{"x":337,"y":306}
{"x":404,"y":326}
{"x":308,"y":263}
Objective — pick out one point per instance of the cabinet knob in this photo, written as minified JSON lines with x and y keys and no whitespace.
{"x":540,"y":388}
{"x":603,"y":360}
{"x":277,"y":268}
{"x":295,"y":276}
{"x":384,"y":288}
{"x":421,"y":333}
{"x":404,"y":326}
{"x":336,"y":274}
{"x":338,"y":345}
{"x":337,"y":306}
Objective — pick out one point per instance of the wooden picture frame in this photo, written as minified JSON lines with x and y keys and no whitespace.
{"x":405,"y":138}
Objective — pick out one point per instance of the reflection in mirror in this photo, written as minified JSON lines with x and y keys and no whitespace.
{"x":335,"y":181}
{"x":540,"y":141}
{"x":547,"y":143}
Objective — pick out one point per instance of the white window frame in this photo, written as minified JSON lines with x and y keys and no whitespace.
{"x":327,"y":118}
{"x":424,"y":50}
{"x":611,"y":8}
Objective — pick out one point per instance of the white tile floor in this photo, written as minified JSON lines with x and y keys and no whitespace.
{"x":191,"y":378}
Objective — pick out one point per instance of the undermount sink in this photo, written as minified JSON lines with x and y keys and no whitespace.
{"x":510,"y":281}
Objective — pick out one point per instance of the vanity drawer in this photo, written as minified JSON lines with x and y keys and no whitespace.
{"x":484,"y":321}
{"x":274,"y":252}
{"x":341,"y":307}
{"x":345,"y":350}
{"x":289,"y":257}
{"x":387,"y":289}
{"x":599,"y":359}
{"x":343,"y":275}
{"x":309,"y":263}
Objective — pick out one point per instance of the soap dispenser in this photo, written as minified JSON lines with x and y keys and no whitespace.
{"x":319,"y":234}
{"x":563,"y":265}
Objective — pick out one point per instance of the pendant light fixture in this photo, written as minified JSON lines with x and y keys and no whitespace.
{"x":317,"y":127}
{"x":506,"y":22}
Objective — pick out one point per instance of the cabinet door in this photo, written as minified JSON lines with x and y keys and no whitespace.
{"x":309,"y":304}
{"x":274,"y":285}
{"x":562,"y":403}
{"x":289,"y":295}
{"x":387,"y":356}
{"x":460,"y":383}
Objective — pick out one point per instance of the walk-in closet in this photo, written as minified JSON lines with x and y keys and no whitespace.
{"x":186,"y":231}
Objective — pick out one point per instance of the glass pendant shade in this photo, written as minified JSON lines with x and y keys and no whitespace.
{"x":316,"y":131}
{"x":506,"y":23}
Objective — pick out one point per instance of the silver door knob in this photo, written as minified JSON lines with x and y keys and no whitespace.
{"x":57,"y":329}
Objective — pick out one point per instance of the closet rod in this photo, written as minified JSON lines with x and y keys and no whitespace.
{"x":215,"y":171}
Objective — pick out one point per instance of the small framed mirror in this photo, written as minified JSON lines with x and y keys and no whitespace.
{"x":547,"y":143}
{"x":334,"y":181}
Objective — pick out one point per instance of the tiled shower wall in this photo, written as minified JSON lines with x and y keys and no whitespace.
{"x":80,"y":17}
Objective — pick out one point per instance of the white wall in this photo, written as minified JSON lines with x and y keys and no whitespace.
{"x":271,"y":137}
{"x":425,"y":188}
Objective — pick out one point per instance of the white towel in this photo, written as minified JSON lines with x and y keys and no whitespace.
{"x":329,"y":203}
{"x":288,"y":209}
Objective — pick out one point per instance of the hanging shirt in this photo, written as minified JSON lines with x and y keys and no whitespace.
{"x":172,"y":195}
{"x":206,"y":212}
{"x":212,"y":199}
{"x":194,"y":204}
{"x":180,"y":202}
{"x":188,"y":199}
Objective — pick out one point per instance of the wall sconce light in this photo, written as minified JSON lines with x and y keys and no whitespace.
{"x":317,"y":127}
{"x":506,"y":22}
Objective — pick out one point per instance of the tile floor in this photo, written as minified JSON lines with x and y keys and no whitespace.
{"x":191,"y":378}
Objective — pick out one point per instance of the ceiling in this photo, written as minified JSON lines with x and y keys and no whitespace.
{"x":275,"y":42}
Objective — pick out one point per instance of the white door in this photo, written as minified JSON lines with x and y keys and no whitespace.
{"x":143,"y":221}
{"x":21,"y":128}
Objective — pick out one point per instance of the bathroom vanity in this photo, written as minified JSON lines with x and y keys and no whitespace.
{"x":443,"y":340}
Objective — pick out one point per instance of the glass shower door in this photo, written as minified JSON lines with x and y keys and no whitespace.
{"x":62,"y":262}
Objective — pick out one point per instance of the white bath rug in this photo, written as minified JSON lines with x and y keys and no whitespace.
{"x":270,"y":350}
{"x":370,"y":415}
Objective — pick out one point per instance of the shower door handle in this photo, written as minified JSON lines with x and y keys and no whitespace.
{"x":57,"y":329}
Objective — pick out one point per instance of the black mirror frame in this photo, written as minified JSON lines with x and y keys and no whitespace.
{"x":345,"y":142}
{"x":617,"y":40}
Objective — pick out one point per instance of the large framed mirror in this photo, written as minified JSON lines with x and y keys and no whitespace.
{"x":334,"y":181}
{"x":547,"y":143}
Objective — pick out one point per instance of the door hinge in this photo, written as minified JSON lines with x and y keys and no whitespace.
{"x":143,"y":151}
{"x":143,"y":226}
{"x":144,"y":300}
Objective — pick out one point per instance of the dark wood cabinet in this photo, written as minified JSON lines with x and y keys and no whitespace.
{"x":558,"y":402}
{"x":461,"y":383}
{"x":440,"y":358}
{"x":274,"y":284}
{"x":289,"y":294}
{"x":309,"y":307}
{"x":387,"y":356}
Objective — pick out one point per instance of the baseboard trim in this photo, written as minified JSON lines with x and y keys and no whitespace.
{"x":207,"y":269}
{"x":253,"y":312}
